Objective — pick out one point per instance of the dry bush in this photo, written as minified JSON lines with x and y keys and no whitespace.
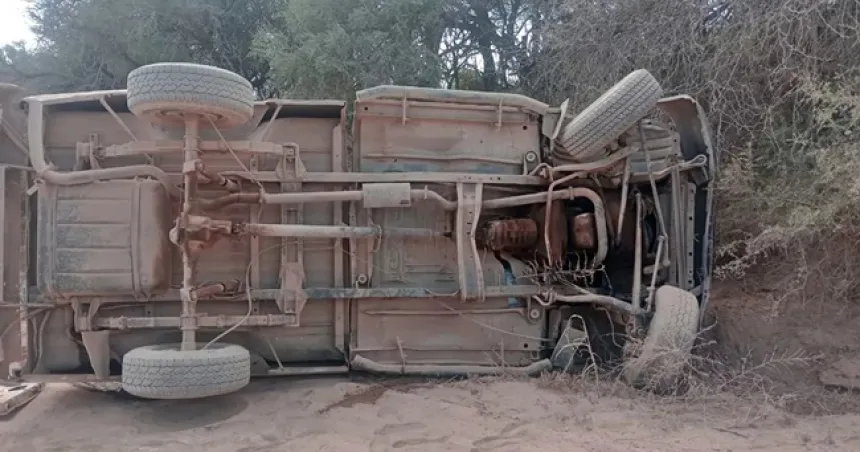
{"x":799,"y":214}
{"x":742,"y":60}
{"x":709,"y":380}
{"x":780,"y":80}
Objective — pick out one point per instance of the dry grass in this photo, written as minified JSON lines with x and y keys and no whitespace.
{"x":781,"y":84}
{"x":709,"y":381}
{"x":797,"y":216}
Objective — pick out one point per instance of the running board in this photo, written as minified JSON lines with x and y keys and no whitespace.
{"x":361,"y":363}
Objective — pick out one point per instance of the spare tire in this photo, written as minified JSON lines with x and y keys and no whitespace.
{"x":165,"y":371}
{"x":161,"y":92}
{"x":584,"y":138}
{"x":660,"y":362}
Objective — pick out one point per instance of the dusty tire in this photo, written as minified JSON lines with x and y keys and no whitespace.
{"x":659,"y":362}
{"x":166,"y":372}
{"x":158,"y":92}
{"x":584,"y":138}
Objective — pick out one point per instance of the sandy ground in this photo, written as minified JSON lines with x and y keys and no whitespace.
{"x":341,"y":415}
{"x":544,"y":414}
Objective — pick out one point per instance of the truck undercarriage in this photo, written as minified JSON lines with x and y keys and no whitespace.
{"x":186,"y":237}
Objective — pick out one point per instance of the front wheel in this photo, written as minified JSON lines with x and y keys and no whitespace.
{"x":584,"y":138}
{"x":165,"y":371}
{"x":658,"y":363}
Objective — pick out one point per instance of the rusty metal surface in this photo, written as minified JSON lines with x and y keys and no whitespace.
{"x":625,"y":242}
{"x":444,"y":331}
{"x":396,"y":195}
{"x":469,"y":262}
{"x":440,"y":370}
{"x":106,"y":238}
{"x":509,"y":235}
{"x":14,"y":257}
{"x":321,"y":294}
{"x":306,"y":293}
{"x":557,"y":229}
{"x":440,"y":135}
{"x":316,"y":108}
{"x":583,"y":231}
{"x":601,"y":227}
{"x":469,"y":98}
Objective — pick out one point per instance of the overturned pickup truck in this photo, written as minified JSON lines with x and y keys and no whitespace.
{"x":186,"y":237}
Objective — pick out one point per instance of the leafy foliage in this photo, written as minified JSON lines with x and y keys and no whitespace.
{"x":93,"y":44}
{"x":325,"y":48}
{"x":331,"y":48}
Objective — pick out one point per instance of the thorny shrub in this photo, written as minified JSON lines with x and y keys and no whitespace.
{"x":780,"y":80}
{"x":708,"y":379}
{"x":795,"y":196}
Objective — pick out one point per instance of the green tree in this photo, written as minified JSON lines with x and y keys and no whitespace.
{"x":497,"y":39}
{"x":93,"y":44}
{"x":331,"y":48}
{"x":306,"y":48}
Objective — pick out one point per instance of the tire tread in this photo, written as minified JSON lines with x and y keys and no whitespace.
{"x":669,"y":342}
{"x":165,"y":372}
{"x":190,"y":87}
{"x":618,"y":109}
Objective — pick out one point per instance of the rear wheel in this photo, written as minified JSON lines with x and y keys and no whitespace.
{"x":658,"y":363}
{"x":162,"y":92}
{"x":167,"y":372}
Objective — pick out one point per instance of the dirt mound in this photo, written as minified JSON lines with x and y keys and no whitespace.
{"x":787,"y":342}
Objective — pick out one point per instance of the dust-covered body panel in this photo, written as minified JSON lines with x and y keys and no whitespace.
{"x":444,"y":240}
